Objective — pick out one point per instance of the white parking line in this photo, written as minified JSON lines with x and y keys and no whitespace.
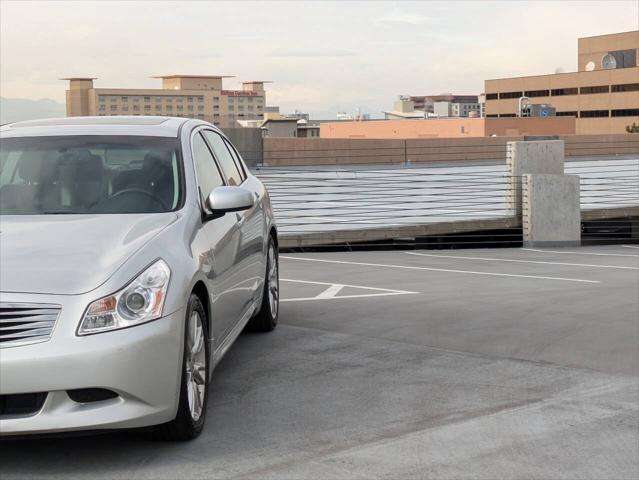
{"x":334,"y":288}
{"x":520,"y":261}
{"x":407,"y":267}
{"x":580,"y":253}
{"x":631,"y":246}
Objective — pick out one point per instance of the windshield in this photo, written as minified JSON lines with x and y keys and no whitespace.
{"x":88,"y":174}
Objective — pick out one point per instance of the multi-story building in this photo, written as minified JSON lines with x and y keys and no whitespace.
{"x":180,"y":96}
{"x":457,"y":105}
{"x":603,"y":94}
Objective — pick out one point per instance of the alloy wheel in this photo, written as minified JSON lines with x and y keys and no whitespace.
{"x":195,"y":365}
{"x":273,"y":282}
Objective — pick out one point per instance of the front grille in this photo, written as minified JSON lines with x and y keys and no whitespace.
{"x":23,"y":323}
{"x":22,"y":403}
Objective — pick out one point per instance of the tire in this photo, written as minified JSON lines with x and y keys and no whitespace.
{"x":189,"y":420}
{"x":266,"y":318}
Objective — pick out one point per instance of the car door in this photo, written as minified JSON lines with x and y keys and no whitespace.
{"x":218,"y":241}
{"x":251,"y":221}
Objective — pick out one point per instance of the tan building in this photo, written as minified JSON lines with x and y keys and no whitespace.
{"x":462,"y":127}
{"x":180,"y":96}
{"x":603,"y":94}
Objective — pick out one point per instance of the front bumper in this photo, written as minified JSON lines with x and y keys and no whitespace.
{"x":141,"y":364}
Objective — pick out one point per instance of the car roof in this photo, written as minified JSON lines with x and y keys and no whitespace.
{"x":111,"y":125}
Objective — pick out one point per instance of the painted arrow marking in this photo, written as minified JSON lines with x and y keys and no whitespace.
{"x":333,"y":289}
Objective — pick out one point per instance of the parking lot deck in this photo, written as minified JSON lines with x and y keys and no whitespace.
{"x":487,"y":363}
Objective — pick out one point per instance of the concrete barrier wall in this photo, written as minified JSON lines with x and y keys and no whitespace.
{"x":249,"y":143}
{"x":320,"y":151}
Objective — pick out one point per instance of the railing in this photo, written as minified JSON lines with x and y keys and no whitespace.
{"x":316,"y":200}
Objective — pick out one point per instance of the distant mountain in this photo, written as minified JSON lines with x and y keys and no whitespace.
{"x":16,"y":109}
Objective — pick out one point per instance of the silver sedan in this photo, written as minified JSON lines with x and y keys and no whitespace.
{"x":133,"y":252}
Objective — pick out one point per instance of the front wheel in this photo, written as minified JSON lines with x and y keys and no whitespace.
{"x":189,"y":420}
{"x":266,"y":318}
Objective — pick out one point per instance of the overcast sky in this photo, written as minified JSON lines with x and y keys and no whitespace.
{"x":322,"y":56}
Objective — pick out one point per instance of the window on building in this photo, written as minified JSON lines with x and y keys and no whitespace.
{"x":147,"y":99}
{"x":180,"y":108}
{"x":102,"y":98}
{"x":190,"y":108}
{"x":179,"y":100}
{"x":240,"y":107}
{"x":625,"y":58}
{"x":558,"y":92}
{"x":114,"y":108}
{"x":505,"y":115}
{"x":510,"y":95}
{"x":216,"y":107}
{"x":114,"y":99}
{"x":200,"y":108}
{"x":136,"y":99}
{"x":147,"y":108}
{"x":249,"y":99}
{"x":492,"y":96}
{"x":625,"y":112}
{"x":216,"y":99}
{"x":168,"y":99}
{"x":158,"y":106}
{"x":566,"y":114}
{"x":594,"y":89}
{"x":125,"y":108}
{"x":102,"y":107}
{"x":537,"y":93}
{"x":492,"y":115}
{"x":125,"y":99}
{"x":189,"y":99}
{"x":169,"y":108}
{"x":250,"y":107}
{"x":216,"y":115}
{"x":625,"y":87}
{"x":200,"y":98}
{"x":136,"y":108}
{"x":260,"y":100}
{"x":593,"y":113}
{"x":240,"y":99}
{"x":158,"y":99}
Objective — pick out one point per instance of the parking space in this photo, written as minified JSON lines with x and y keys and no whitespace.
{"x":512,"y":363}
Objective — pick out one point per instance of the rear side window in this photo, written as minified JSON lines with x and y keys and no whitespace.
{"x":224,"y":157}
{"x":238,"y":159}
{"x":208,"y":175}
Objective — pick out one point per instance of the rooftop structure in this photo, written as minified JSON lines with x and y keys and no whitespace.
{"x":603,"y":95}
{"x":189,"y":96}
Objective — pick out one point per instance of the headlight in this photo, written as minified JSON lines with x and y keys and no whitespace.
{"x":140,"y":301}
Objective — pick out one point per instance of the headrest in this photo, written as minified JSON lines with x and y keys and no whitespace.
{"x":90,"y":169}
{"x":155,"y":159}
{"x":85,"y":165}
{"x":36,"y":167}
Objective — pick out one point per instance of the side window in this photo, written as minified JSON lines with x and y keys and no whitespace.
{"x":238,"y":159}
{"x":208,"y":175}
{"x":223,"y":156}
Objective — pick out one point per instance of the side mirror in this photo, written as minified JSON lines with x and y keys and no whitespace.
{"x":223,"y":200}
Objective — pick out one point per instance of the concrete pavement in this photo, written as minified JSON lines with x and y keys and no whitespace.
{"x":502,"y":363}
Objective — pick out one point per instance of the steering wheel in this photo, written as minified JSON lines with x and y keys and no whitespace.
{"x":142,"y":191}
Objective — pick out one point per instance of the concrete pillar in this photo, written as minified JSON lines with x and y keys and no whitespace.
{"x":551,"y":213}
{"x":529,"y":157}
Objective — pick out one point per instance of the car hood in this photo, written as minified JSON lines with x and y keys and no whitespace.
{"x":70,"y":254}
